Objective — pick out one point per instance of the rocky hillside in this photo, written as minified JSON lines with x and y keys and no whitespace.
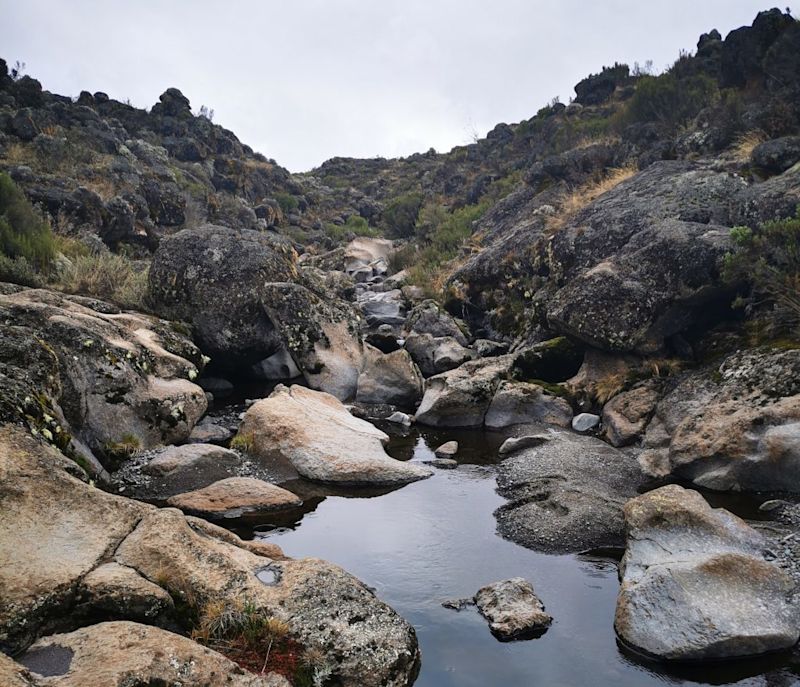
{"x":612,"y":287}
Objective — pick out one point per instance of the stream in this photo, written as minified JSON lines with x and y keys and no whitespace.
{"x":435,"y":540}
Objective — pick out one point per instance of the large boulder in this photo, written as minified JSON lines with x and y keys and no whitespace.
{"x":213,"y":277}
{"x":566,"y":493}
{"x":436,"y":354}
{"x":626,"y":415}
{"x":735,"y":425}
{"x":176,"y":469}
{"x":518,"y":403}
{"x":316,"y":434}
{"x":695,"y":584}
{"x":234,"y":497}
{"x":461,"y":397}
{"x":777,"y":155}
{"x":126,"y":653}
{"x":390,"y":378}
{"x":81,"y":373}
{"x":429,"y":318}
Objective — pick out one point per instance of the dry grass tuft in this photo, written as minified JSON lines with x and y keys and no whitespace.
{"x":575,"y":200}
{"x":743,"y":146}
{"x":109,"y":277}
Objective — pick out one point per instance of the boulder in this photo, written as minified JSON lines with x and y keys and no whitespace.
{"x":385,"y":307}
{"x":513,"y":444}
{"x":516,"y":403}
{"x":278,"y":367}
{"x":447,"y":450}
{"x":390,"y":378}
{"x":566,"y":494}
{"x":734,"y":425}
{"x":461,"y":397}
{"x":429,"y":318}
{"x":234,"y":497}
{"x":512,"y":609}
{"x":325,"y":608}
{"x":436,"y":354}
{"x":626,"y":415}
{"x":695,"y":585}
{"x":209,"y":431}
{"x":777,"y":155}
{"x":363,"y":251}
{"x":213,"y":277}
{"x":585,"y":423}
{"x":92,"y":379}
{"x":399,"y":418}
{"x":313,"y":432}
{"x":122,"y":653}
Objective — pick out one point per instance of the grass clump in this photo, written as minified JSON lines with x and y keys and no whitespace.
{"x":27,"y":247}
{"x":355,"y":225}
{"x":400,"y":215}
{"x":287,"y":201}
{"x":243,"y":442}
{"x":745,"y":143}
{"x":111,"y":277}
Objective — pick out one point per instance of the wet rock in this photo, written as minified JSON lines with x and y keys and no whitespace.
{"x":80,"y":525}
{"x":443,"y":463}
{"x":327,"y":609}
{"x":434,"y":355}
{"x":429,"y":318}
{"x":695,"y":584}
{"x":626,"y":415}
{"x":516,"y":403}
{"x":207,"y":431}
{"x":732,"y":426}
{"x":182,"y":468}
{"x":458,"y":604}
{"x":512,"y":609}
{"x":234,"y":497}
{"x":278,"y":367}
{"x":314,"y":432}
{"x":584,"y":423}
{"x":386,"y":307}
{"x":400,"y":418}
{"x":566,"y":495}
{"x":515,"y":444}
{"x":461,"y":397}
{"x":447,"y":450}
{"x":390,"y":378}
{"x":113,"y":653}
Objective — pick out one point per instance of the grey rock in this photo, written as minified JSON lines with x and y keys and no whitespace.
{"x":512,"y":609}
{"x":777,"y":155}
{"x":515,"y":444}
{"x":435,"y":355}
{"x":278,"y":367}
{"x":389,"y":378}
{"x":584,"y":423}
{"x":447,"y":450}
{"x":429,"y":318}
{"x":400,"y":418}
{"x":443,"y":463}
{"x":209,"y":432}
{"x":695,"y":585}
{"x":485,"y":348}
{"x":516,"y":403}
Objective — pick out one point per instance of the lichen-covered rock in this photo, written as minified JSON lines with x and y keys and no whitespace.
{"x":213,"y":277}
{"x":695,"y":584}
{"x":566,"y":493}
{"x":429,"y":318}
{"x":777,"y":155}
{"x":626,"y":415}
{"x":113,"y":591}
{"x":735,"y":425}
{"x":123,"y":653}
{"x":313,"y":432}
{"x":115,"y":381}
{"x":390,"y":378}
{"x":517,"y":403}
{"x":436,"y":354}
{"x":512,"y":609}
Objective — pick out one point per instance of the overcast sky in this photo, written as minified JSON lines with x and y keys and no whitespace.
{"x":304,"y":80}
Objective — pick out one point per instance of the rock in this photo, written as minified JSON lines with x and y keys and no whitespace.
{"x":213,"y":277}
{"x":458,"y":604}
{"x":278,"y":367}
{"x":443,"y":463}
{"x":447,"y":450}
{"x":400,"y":418}
{"x":235,"y":497}
{"x":12,"y":674}
{"x":326,"y":609}
{"x":79,"y":524}
{"x":512,"y":609}
{"x":113,"y":591}
{"x":461,"y":397}
{"x":550,"y":361}
{"x":364,"y":251}
{"x":91,"y":379}
{"x":115,"y":653}
{"x":429,"y":318}
{"x":515,"y":444}
{"x":626,"y":415}
{"x":777,"y":155}
{"x":735,"y":425}
{"x":386,"y":307}
{"x":207,"y":431}
{"x":584,"y":423}
{"x":436,"y":354}
{"x":566,"y":495}
{"x":695,"y":585}
{"x":220,"y":388}
{"x":517,"y":403}
{"x":314,"y":432}
{"x":390,"y":378}
{"x":485,"y":348}
{"x":182,"y":468}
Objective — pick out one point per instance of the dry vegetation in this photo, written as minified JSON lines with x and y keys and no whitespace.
{"x":743,"y":146}
{"x":109,"y":276}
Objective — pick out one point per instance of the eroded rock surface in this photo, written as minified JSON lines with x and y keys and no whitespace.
{"x":512,"y":609}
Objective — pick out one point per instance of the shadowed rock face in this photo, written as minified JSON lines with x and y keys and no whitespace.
{"x":695,"y":584}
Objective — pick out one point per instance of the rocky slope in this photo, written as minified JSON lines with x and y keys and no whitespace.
{"x":624,"y":267}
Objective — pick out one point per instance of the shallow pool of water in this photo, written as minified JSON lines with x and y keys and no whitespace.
{"x":435,"y":540}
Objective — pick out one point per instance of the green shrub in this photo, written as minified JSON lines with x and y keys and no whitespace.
{"x":400,"y":214}
{"x":767,"y":261}
{"x":19,"y":271}
{"x":670,"y":100}
{"x":24,"y":233}
{"x":287,"y":201}
{"x":355,"y":224}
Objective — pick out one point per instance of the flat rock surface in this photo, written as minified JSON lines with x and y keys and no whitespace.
{"x":512,"y":609}
{"x":235,"y":496}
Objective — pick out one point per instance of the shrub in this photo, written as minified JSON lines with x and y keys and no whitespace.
{"x":24,"y":233}
{"x":400,"y":214}
{"x":110,"y":277}
{"x":287,"y":202}
{"x":670,"y":100}
{"x":767,"y":261}
{"x":355,"y":224}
